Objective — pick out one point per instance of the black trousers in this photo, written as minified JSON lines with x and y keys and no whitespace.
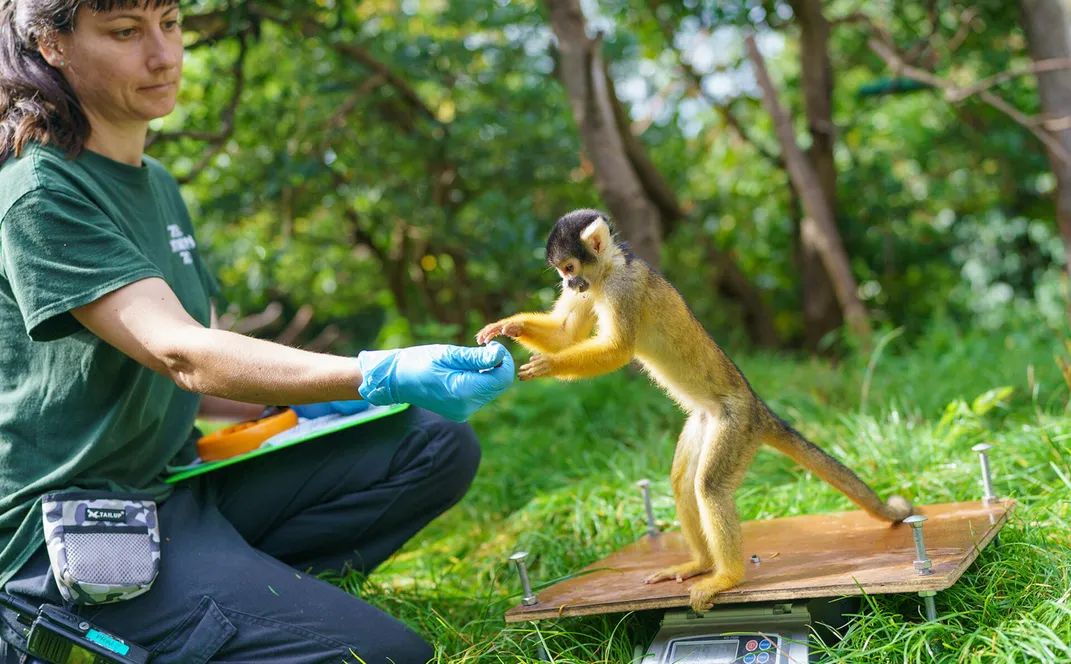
{"x":239,"y":545}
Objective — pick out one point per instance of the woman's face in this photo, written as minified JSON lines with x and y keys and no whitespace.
{"x":124,"y":65}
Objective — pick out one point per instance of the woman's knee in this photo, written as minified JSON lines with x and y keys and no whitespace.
{"x":457,"y":453}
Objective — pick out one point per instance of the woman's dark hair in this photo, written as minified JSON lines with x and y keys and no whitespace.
{"x":36,"y":102}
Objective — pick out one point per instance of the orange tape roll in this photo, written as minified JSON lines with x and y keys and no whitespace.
{"x":244,"y":436}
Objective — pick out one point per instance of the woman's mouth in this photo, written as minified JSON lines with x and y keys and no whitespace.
{"x":158,"y":89}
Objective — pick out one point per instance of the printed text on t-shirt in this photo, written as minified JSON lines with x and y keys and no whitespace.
{"x":181,"y":243}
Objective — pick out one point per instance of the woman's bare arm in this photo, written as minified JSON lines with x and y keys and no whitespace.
{"x":146,"y":321}
{"x":218,"y":408}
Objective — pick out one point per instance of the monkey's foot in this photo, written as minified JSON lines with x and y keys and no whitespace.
{"x":704,"y":591}
{"x":678,"y":572}
{"x":537,"y":367}
{"x":489,"y":332}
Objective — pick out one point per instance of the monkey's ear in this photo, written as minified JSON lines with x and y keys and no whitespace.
{"x":596,"y":235}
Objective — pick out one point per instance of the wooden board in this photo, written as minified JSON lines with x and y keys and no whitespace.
{"x":825,"y":555}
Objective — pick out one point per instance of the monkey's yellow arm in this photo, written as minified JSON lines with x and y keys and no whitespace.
{"x":571,"y":320}
{"x":542,"y":333}
{"x":587,"y":359}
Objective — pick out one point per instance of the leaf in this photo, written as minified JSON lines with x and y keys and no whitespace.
{"x":987,"y":401}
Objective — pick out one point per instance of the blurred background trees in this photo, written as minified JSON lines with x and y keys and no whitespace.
{"x":367,"y":172}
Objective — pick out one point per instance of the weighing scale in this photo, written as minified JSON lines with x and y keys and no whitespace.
{"x":765,"y":634}
{"x":804,"y":576}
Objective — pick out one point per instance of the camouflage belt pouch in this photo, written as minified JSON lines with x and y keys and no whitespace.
{"x":104,"y":546}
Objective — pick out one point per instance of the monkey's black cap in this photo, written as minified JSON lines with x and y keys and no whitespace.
{"x":564,"y":239}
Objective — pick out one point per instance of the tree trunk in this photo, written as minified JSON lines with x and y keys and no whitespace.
{"x":821,"y":311}
{"x":634,"y":213}
{"x":728,"y":279}
{"x":818,"y":227}
{"x":638,"y":197}
{"x":731,"y":283}
{"x":1048,"y":35}
{"x":658,"y":190}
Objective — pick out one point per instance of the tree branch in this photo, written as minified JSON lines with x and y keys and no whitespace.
{"x":860,"y":17}
{"x":729,"y":116}
{"x":959,"y":94}
{"x":227,"y":124}
{"x":356,"y":52}
{"x":952,"y":91}
{"x":338,"y":118}
{"x":362,"y":237}
{"x":257,"y":321}
{"x":924,"y":45}
{"x":214,"y":23}
{"x":323,"y":341}
{"x":963,"y":30}
{"x":659,"y":191}
{"x":731,"y":283}
{"x":882,"y":45}
{"x":696,"y":79}
{"x":616,"y":179}
{"x":296,"y":326}
{"x":726,"y":112}
{"x":818,"y":225}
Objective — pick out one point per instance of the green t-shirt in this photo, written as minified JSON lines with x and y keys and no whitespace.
{"x":74,"y":411}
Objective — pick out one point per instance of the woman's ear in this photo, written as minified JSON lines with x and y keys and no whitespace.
{"x":50,"y":49}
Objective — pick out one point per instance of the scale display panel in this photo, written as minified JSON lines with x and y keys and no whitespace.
{"x":723,"y":649}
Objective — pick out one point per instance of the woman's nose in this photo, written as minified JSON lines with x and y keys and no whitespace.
{"x":164,"y":51}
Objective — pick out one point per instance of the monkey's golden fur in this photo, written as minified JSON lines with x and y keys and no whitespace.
{"x":637,"y":314}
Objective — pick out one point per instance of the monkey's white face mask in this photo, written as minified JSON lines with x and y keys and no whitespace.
{"x":596,"y":239}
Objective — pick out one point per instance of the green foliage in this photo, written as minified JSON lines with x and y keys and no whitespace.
{"x":398,"y":164}
{"x":344,"y":191}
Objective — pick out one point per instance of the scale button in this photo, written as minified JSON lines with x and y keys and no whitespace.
{"x":764,"y":657}
{"x":764,"y":645}
{"x":749,"y":658}
{"x":751,"y":645}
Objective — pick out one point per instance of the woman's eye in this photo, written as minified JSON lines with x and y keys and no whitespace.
{"x":170,"y":25}
{"x":123,"y":34}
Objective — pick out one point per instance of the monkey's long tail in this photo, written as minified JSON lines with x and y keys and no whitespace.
{"x":790,"y":442}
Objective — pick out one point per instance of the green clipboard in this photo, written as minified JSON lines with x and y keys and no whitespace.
{"x":306,"y":430}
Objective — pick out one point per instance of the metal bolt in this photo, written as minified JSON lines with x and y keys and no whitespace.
{"x":84,"y":626}
{"x":923,"y":564}
{"x":931,"y":605}
{"x":987,"y":481}
{"x":645,"y":486}
{"x":529,"y":597}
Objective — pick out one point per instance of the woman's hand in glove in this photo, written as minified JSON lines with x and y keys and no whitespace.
{"x":453,"y":381}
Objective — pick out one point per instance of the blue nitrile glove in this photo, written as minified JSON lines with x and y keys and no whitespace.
{"x":453,"y":381}
{"x":313,"y":410}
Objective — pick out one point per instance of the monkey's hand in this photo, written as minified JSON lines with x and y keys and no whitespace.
{"x":587,"y":359}
{"x":679,"y":572}
{"x":538,"y":366}
{"x":506,"y":327}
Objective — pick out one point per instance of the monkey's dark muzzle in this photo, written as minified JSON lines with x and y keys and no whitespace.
{"x":579,"y":284}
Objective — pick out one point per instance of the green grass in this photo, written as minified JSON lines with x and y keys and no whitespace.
{"x":560,"y":463}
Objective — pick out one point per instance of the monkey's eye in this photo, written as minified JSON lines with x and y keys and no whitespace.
{"x":569,"y":268}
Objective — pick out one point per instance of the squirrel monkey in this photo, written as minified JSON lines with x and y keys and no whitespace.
{"x":636,"y":313}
